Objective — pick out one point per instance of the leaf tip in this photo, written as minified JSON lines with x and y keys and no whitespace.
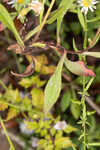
{"x":87,"y":72}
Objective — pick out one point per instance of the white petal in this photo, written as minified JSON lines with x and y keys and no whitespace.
{"x":94,"y":7}
{"x":60,"y":125}
{"x":24,"y":129}
{"x":35,"y":142}
{"x":10,"y":3}
{"x":94,"y":2}
{"x":86,"y":10}
{"x":91,"y":8}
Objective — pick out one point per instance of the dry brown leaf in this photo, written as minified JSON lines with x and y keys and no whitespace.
{"x":17,"y":49}
{"x":29,"y":70}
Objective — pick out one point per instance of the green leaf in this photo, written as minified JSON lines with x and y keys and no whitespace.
{"x":75,"y":110}
{"x":63,"y":142}
{"x":12,"y":95}
{"x":78,"y":68}
{"x":74,"y":46}
{"x":37,"y":97}
{"x":34,"y":80}
{"x":53,"y":87}
{"x":3,"y":106}
{"x":32,"y":32}
{"x":38,"y":44}
{"x":42,"y":12}
{"x":81,"y":19}
{"x":94,"y":54}
{"x":70,"y":129}
{"x":65,"y":101}
{"x":26,"y":104}
{"x":54,"y":15}
{"x":12,"y":113}
{"x":66,"y":4}
{"x":6,"y":19}
{"x":76,"y":101}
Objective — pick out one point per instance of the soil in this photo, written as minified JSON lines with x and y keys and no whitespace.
{"x":4,"y":145}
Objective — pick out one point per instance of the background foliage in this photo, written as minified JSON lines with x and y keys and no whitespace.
{"x":56,"y":96}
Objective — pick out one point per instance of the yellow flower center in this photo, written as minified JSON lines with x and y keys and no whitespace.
{"x":20,"y":1}
{"x":87,"y":3}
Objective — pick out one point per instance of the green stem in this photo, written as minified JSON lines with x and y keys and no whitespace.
{"x":3,"y":85}
{"x":5,"y":131}
{"x":11,"y":105}
{"x":85,"y":40}
{"x":94,"y":144}
{"x":74,"y":148}
{"x":20,"y":108}
{"x":85,"y":35}
{"x":17,"y":62}
{"x":94,"y":19}
{"x":45,"y":19}
{"x":84,"y":117}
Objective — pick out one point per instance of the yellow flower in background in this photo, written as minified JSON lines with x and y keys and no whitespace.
{"x":87,"y":4}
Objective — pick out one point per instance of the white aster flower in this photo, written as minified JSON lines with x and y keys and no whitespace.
{"x":60,"y":125}
{"x":34,"y":142}
{"x":12,"y":2}
{"x":36,"y":6}
{"x":87,"y":4}
{"x":23,"y":128}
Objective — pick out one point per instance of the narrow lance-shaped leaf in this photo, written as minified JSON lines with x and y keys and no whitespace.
{"x":53,"y":87}
{"x":78,"y":68}
{"x":65,"y":101}
{"x":81,"y":19}
{"x":66,"y":4}
{"x":94,"y":54}
{"x":54,"y":15}
{"x":6,"y":19}
{"x":32,"y":32}
{"x":75,"y":110}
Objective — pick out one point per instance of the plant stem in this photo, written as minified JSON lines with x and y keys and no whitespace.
{"x":85,"y":34}
{"x":94,"y":19}
{"x":94,"y":144}
{"x":17,"y":62}
{"x":84,"y":117}
{"x":9,"y":104}
{"x":45,"y":19}
{"x":20,"y":108}
{"x":84,"y":114}
{"x":3,"y":85}
{"x":5,"y":131}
